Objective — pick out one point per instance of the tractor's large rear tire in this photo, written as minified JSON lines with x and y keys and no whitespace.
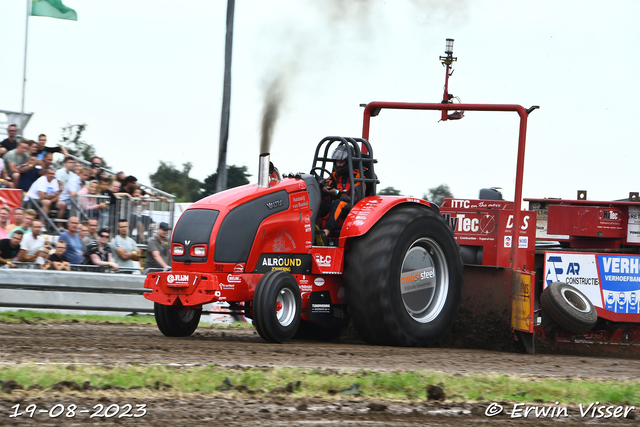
{"x":569,"y":308}
{"x":176,"y":321}
{"x":404,"y":279}
{"x":276,"y":306}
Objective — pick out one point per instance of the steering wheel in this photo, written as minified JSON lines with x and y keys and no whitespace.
{"x":319,"y":177}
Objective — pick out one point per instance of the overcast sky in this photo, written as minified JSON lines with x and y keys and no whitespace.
{"x":146,"y":77}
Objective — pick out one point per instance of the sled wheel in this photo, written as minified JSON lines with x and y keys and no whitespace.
{"x":568,"y":308}
{"x":276,"y":306}
{"x":176,"y":320}
{"x":404,"y":279}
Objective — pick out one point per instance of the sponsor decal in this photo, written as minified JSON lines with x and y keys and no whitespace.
{"x":323,"y":261}
{"x":295,"y":264}
{"x":417,"y":280}
{"x":274,"y":204}
{"x":578,"y":270}
{"x":239,"y":268}
{"x":225,"y":286}
{"x":319,"y":281}
{"x":178,"y":278}
{"x":282,"y":241}
{"x":358,"y":223}
{"x":233,"y":278}
{"x":321,"y":308}
{"x":620,"y":275}
{"x":523,"y":242}
{"x":306,"y":288}
{"x":507,"y":241}
{"x":186,"y":242}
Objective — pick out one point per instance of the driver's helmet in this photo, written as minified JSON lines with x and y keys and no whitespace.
{"x":340,"y":153}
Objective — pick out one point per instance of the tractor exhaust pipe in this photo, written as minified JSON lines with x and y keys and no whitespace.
{"x":263,"y":170}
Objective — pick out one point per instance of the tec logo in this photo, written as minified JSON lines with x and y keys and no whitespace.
{"x":323,"y":261}
{"x":554,"y":269}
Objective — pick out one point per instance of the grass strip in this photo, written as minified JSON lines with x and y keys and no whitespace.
{"x":404,"y":385}
{"x":46,"y":317}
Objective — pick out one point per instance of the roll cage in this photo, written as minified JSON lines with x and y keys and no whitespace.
{"x":362,"y":162}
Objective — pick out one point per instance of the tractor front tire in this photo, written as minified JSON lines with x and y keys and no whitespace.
{"x":404,"y":279}
{"x":276,"y":306}
{"x":569,"y":308}
{"x":176,"y":320}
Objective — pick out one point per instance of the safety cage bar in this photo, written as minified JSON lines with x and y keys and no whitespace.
{"x":364,"y":163}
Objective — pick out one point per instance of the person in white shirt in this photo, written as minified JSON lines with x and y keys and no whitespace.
{"x":64,"y":174}
{"x":33,"y":246}
{"x":74,"y":184}
{"x":45,"y":190}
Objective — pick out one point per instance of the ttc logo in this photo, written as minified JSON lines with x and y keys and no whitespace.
{"x":555,"y":270}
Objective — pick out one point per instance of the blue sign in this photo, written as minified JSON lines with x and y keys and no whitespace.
{"x":620,"y":279}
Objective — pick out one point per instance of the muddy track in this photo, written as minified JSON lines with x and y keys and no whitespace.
{"x":120,"y":344}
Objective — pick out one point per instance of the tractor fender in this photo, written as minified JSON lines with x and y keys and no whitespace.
{"x":370,"y":210}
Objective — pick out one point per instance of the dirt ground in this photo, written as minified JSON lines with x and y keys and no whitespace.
{"x":120,"y":344}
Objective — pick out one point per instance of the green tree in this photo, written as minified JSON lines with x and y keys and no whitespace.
{"x":177,"y":182}
{"x":76,"y":146}
{"x":236,"y":176}
{"x":438,"y":194}
{"x":389,"y":191}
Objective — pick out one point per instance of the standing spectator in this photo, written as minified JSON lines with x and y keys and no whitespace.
{"x":99,"y":252}
{"x":42,"y":149}
{"x":18,"y":218}
{"x":158,"y":249}
{"x":33,"y":246}
{"x":64,"y":174}
{"x":126,"y":250}
{"x":114,"y":193}
{"x":16,"y":162}
{"x":129,"y":184}
{"x":9,"y":143}
{"x":58,"y":259}
{"x":72,"y":238}
{"x":45,"y":191}
{"x":9,"y":249}
{"x":5,"y":214}
{"x":96,"y":169}
{"x":73,"y":185}
{"x":25,"y":227}
{"x":92,"y":233}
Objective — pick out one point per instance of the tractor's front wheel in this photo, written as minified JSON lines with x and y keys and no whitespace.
{"x":276,"y":306}
{"x":176,"y":321}
{"x":404,"y":279}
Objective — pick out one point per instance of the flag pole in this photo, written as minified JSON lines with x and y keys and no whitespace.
{"x":24,"y":69}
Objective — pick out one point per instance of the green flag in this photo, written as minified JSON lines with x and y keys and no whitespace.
{"x":52,"y":9}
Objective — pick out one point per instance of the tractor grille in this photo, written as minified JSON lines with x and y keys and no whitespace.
{"x":194,"y":228}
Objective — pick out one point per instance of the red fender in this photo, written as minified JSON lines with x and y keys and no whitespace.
{"x":369,"y":210}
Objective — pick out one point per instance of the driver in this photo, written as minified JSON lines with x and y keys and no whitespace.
{"x":338,"y":188}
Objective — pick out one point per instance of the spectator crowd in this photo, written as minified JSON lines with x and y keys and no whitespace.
{"x":24,"y":236}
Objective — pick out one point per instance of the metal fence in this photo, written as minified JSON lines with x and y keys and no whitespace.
{"x":143,"y":214}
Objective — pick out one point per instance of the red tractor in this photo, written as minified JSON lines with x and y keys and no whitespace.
{"x":394,"y":268}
